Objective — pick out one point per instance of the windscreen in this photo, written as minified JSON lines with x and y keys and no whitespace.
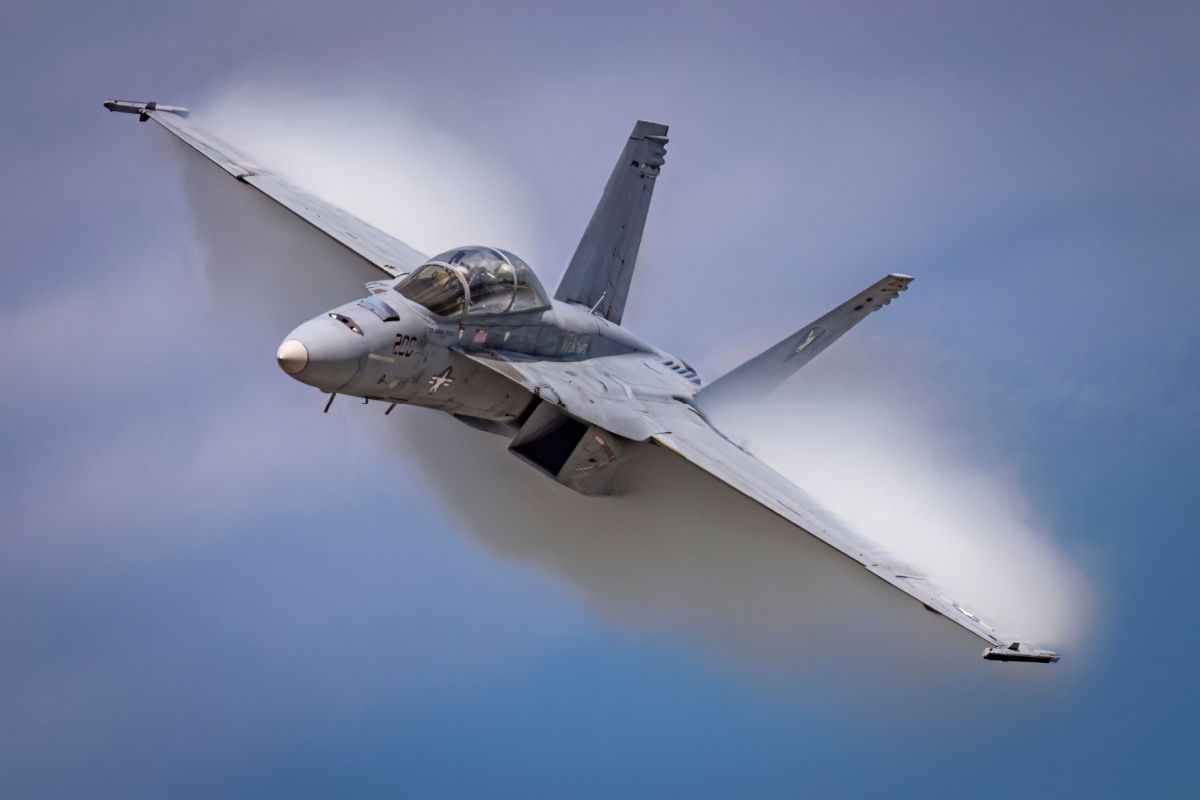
{"x":437,"y":287}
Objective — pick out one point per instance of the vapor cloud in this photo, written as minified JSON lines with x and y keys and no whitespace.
{"x":428,"y":186}
{"x":678,"y":555}
{"x":904,"y":481}
{"x":210,"y":588}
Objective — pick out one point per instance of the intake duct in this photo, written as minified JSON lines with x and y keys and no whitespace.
{"x":574,"y":453}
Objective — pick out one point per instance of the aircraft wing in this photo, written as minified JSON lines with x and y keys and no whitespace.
{"x":635,"y":396}
{"x":385,"y":252}
{"x":695,"y":440}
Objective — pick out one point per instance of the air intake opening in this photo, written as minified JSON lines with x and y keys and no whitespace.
{"x":548,"y":438}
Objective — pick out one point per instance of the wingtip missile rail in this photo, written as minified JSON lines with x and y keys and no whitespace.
{"x":143,"y":109}
{"x":1020,"y":652}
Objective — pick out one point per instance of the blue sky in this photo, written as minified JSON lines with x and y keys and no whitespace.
{"x":208,"y":587}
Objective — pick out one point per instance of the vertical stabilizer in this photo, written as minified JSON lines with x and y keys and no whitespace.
{"x":602,"y":268}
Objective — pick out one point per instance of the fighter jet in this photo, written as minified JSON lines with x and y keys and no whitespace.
{"x":472,"y":332}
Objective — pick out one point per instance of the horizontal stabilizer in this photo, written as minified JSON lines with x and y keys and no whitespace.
{"x":768,"y":369}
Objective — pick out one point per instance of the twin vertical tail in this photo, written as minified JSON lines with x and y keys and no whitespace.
{"x":601,"y":270}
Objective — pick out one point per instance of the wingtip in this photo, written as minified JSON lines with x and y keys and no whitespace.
{"x":643,"y":129}
{"x":1020,"y":652}
{"x":143,"y":108}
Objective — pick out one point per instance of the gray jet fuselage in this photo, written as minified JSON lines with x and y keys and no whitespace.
{"x":355,"y":350}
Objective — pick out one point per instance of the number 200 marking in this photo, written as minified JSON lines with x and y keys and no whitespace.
{"x":404,"y":346}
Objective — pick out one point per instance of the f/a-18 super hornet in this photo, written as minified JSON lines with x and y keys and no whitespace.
{"x":472,"y":332}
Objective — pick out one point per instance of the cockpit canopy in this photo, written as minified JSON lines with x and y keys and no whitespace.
{"x":474,"y":280}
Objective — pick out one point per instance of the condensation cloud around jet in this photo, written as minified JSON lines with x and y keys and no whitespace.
{"x":679,"y":555}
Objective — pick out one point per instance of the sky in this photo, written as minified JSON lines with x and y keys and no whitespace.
{"x":207,"y":587}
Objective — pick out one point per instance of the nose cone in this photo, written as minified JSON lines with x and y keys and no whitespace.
{"x":292,"y":356}
{"x":323,"y":353}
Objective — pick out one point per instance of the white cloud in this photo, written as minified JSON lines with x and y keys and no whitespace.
{"x":430,"y":187}
{"x":679,"y":556}
{"x":928,"y":493}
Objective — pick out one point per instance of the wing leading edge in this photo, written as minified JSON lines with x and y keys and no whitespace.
{"x":383,"y":251}
{"x":697,"y":442}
